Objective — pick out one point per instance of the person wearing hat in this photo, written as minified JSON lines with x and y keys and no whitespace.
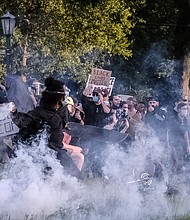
{"x":51,"y":112}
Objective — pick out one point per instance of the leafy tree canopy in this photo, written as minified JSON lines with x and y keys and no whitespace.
{"x":59,"y":33}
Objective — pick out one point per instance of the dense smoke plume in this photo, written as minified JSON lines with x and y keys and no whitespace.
{"x":34,"y":186}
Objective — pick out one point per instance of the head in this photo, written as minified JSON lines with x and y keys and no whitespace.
{"x":124,"y":106}
{"x":182,"y":109}
{"x":153,"y":102}
{"x":23,"y":78}
{"x":75,"y":101}
{"x":70,"y":105}
{"x":95,"y":95}
{"x":131,"y":101}
{"x":54,"y":92}
{"x":115,"y":101}
{"x":98,"y":92}
{"x":79,"y":111}
{"x":141,"y":108}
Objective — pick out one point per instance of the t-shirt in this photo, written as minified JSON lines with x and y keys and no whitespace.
{"x":94,"y":114}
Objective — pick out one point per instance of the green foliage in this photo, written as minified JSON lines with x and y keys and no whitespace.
{"x":61,"y":32}
{"x":152,"y":63}
{"x":72,"y":36}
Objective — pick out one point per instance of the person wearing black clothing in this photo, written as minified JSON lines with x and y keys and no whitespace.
{"x":51,"y":112}
{"x":115,"y":101}
{"x":178,"y":136}
{"x":77,"y":117}
{"x":96,"y":109}
{"x":156,"y":118}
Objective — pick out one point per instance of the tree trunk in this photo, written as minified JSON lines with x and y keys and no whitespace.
{"x":182,"y":45}
{"x":186,"y":77}
{"x":24,"y":56}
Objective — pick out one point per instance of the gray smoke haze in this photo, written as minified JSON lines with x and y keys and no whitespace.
{"x":163,"y":72}
{"x":29,"y":191}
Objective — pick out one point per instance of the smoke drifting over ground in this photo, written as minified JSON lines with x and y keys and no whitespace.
{"x":29,"y":189}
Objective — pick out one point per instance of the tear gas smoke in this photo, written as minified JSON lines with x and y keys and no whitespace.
{"x":156,"y":64}
{"x":34,"y":186}
{"x":5,"y":109}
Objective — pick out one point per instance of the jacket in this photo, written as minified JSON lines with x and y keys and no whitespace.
{"x":45,"y":114}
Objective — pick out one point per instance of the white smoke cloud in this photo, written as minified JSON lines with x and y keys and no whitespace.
{"x":29,"y":191}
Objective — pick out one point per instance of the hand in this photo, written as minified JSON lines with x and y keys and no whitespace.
{"x":72,"y":148}
{"x":78,"y":116}
{"x":100,"y":97}
{"x":12,"y":107}
{"x":115,"y":120}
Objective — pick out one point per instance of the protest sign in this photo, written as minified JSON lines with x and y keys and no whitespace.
{"x":100,"y":77}
{"x":111,"y":84}
{"x":7,"y":127}
{"x":91,"y":84}
{"x":90,"y":87}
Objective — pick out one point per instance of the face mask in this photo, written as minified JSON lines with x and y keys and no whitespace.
{"x":183,"y":112}
{"x":106,"y":102}
{"x":95,"y":98}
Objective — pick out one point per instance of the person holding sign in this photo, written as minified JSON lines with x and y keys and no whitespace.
{"x":96,"y":108}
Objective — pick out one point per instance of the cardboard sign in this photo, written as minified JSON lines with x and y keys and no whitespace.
{"x":90,"y":87}
{"x":100,"y":77}
{"x":7,"y":127}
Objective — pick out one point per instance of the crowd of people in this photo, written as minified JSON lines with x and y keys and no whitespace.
{"x":56,"y":109}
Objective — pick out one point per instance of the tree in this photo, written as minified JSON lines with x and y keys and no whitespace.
{"x":60,"y":33}
{"x":182,"y":45}
{"x":153,"y":64}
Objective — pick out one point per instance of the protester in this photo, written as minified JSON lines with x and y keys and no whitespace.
{"x":96,"y":109}
{"x":178,"y":136}
{"x":134,"y":117}
{"x":103,"y":111}
{"x":18,"y":93}
{"x":141,"y":108}
{"x":74,"y":152}
{"x":3,"y":97}
{"x":118,"y":119}
{"x":121,"y":121}
{"x":48,"y":113}
{"x":156,"y":118}
{"x":115,"y":101}
{"x":78,"y":115}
